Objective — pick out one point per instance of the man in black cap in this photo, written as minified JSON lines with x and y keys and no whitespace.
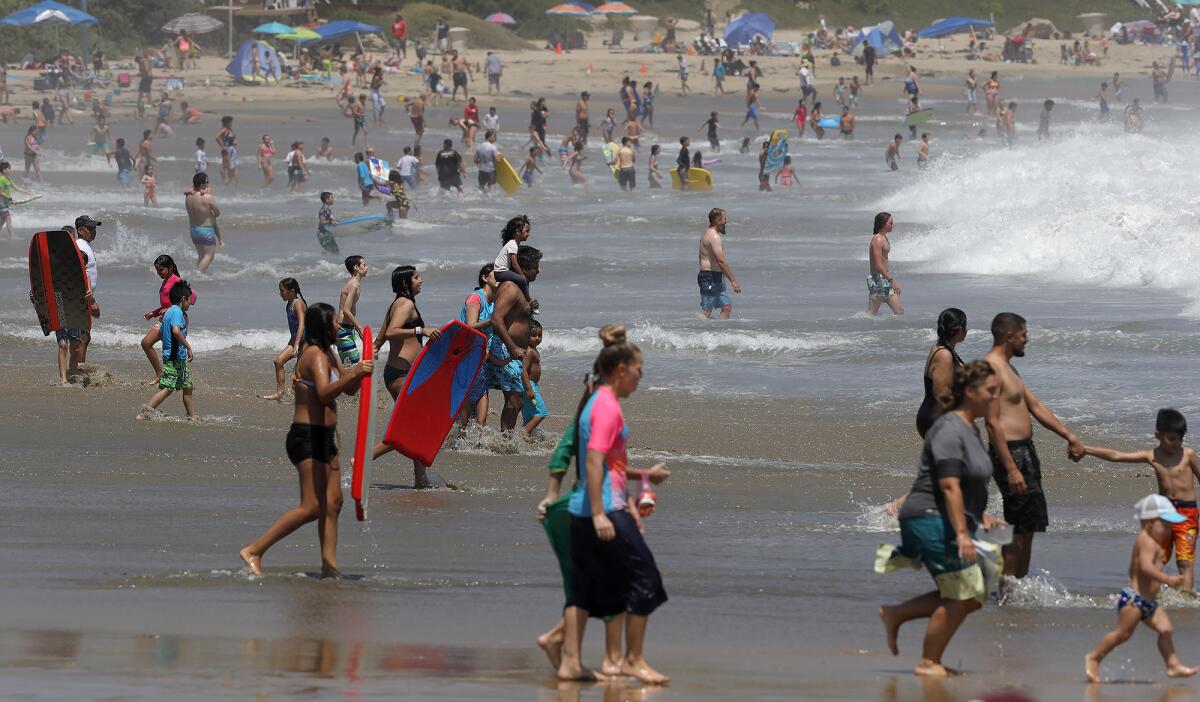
{"x":581,"y":116}
{"x":85,"y":234}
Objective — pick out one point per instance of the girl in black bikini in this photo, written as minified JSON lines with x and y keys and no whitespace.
{"x":405,"y":329}
{"x":311,"y":444}
{"x":939,"y":367}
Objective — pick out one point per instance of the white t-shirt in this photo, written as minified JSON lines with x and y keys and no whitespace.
{"x":805,"y":76}
{"x":510,"y":247}
{"x":486,"y":153}
{"x":406,"y":165}
{"x":201,"y":161}
{"x":491,"y":122}
{"x":86,"y":248}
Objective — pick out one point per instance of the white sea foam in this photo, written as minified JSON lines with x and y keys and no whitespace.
{"x":1097,"y":207}
{"x":760,"y":343}
{"x":202,"y":341}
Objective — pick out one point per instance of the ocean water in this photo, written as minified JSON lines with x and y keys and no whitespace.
{"x":790,"y":424}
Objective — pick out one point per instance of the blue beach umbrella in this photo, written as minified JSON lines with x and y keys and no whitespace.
{"x":273,"y":28}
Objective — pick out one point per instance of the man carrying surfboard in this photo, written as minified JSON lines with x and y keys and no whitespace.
{"x":6,"y":196}
{"x":511,"y":317}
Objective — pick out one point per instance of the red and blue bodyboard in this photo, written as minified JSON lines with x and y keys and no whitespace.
{"x":434,"y":392}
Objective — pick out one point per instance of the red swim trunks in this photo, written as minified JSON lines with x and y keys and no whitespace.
{"x":1183,"y":535}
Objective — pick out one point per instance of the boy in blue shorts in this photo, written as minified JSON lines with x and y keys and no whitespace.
{"x":176,"y":353}
{"x":534,"y":409}
{"x":1138,"y":602}
{"x":124,"y":162}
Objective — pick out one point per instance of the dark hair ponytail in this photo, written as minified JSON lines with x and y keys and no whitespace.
{"x":318,"y":327}
{"x":483,"y":274}
{"x":292,"y":285}
{"x":617,"y":350}
{"x":402,"y":285}
{"x":965,"y":378}
{"x":949,"y":323}
{"x":165,"y":261}
{"x":881,"y":219}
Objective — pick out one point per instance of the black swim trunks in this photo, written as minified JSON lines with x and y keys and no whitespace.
{"x":613,"y":577}
{"x":1026,"y":511}
{"x":305,"y":441}
{"x":144,"y":84}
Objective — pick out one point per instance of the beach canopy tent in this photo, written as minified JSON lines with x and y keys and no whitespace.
{"x":743,"y":29}
{"x":953,"y":25}
{"x":344,"y":28}
{"x":49,"y":11}
{"x":882,"y":36}
{"x":500,"y":18}
{"x":268,"y":61}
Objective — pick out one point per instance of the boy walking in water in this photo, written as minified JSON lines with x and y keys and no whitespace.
{"x":347,"y":319}
{"x":1176,"y":469}
{"x":325,"y":221}
{"x":534,"y":410}
{"x":176,"y":353}
{"x":1137,"y":602}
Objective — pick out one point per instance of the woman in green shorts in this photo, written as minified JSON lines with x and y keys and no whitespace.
{"x":939,"y":519}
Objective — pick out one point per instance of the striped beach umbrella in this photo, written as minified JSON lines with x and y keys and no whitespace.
{"x":500,"y":18}
{"x":615,"y":8}
{"x":568,"y":10}
{"x":193,"y":23}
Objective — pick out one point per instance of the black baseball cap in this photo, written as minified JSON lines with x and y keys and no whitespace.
{"x":86,"y":221}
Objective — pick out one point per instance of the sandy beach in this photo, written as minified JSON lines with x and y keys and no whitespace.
{"x":786,"y":429}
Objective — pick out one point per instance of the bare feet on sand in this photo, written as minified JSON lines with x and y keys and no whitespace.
{"x":641,"y":670}
{"x":553,"y":649}
{"x":610,"y":668}
{"x":891,"y":627}
{"x":930,"y":669}
{"x":575,"y":672}
{"x":254,"y":563}
{"x":277,"y":396}
{"x":1180,"y":670}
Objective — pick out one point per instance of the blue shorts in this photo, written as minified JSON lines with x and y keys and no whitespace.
{"x":713,"y":302}
{"x":65,"y":334}
{"x":508,"y":377}
{"x":203,"y":236}
{"x":123,"y":176}
{"x":410,"y":182}
{"x":535,"y":407}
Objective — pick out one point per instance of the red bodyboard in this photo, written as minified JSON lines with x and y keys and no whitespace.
{"x":434,"y":391}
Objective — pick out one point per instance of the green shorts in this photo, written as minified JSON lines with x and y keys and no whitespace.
{"x":558,"y":530}
{"x":175,"y":375}
{"x":929,"y":541}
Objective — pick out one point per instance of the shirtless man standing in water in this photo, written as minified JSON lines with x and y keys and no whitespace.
{"x":881,"y":286}
{"x":202,"y":220}
{"x":511,"y":315}
{"x":1015,"y":464}
{"x":714,"y":268}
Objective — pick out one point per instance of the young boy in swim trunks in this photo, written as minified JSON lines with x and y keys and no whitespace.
{"x":534,"y":409}
{"x":1176,"y":469}
{"x":347,"y":319}
{"x":325,"y":220}
{"x":176,"y":353}
{"x":1137,"y":602}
